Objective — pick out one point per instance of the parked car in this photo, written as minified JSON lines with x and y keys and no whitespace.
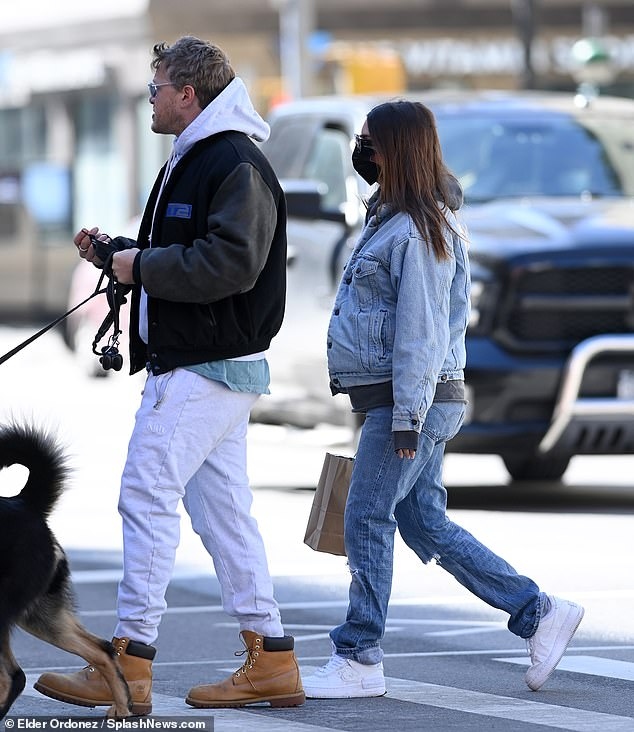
{"x":549,"y":203}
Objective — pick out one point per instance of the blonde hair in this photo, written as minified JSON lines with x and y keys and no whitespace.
{"x":198,"y":63}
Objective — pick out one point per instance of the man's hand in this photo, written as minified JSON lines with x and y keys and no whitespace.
{"x":84,"y":245}
{"x":406,"y":453}
{"x":122,"y":265}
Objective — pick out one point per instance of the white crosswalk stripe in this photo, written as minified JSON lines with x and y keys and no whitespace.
{"x":591,"y":665}
{"x":415,"y":692}
{"x":506,"y":707}
{"x":225,"y":720}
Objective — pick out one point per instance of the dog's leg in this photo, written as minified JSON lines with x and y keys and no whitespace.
{"x":62,"y":629}
{"x":52,"y":618}
{"x":100,"y":654}
{"x":12,"y":678}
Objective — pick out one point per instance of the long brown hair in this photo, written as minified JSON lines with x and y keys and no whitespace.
{"x":412,"y":175}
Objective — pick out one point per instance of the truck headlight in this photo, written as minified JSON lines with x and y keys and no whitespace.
{"x":484,"y":296}
{"x":477,"y":288}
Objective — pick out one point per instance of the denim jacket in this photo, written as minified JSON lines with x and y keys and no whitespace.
{"x":400,"y":315}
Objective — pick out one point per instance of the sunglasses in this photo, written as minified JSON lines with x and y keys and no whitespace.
{"x":363,"y":142}
{"x":153,"y":88}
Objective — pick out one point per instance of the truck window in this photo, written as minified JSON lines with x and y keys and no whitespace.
{"x":289,"y":144}
{"x":328,"y":162}
{"x":307,"y":147}
{"x":496,"y":158}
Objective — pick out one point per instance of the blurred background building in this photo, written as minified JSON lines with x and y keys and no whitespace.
{"x":75,"y":142}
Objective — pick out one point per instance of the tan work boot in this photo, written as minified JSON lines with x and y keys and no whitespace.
{"x":270,"y":674}
{"x":87,"y":688}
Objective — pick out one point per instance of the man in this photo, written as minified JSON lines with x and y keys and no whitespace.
{"x":208,"y":273}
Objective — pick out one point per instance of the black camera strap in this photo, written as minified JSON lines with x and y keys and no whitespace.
{"x":115,"y":294}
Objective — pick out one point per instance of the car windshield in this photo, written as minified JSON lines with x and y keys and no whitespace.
{"x":546,"y":156}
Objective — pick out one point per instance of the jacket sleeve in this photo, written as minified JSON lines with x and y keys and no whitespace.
{"x":405,"y":440}
{"x":421,"y":339}
{"x":241,"y":223}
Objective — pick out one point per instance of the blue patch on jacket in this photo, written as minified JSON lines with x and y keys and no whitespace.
{"x":179,"y":210}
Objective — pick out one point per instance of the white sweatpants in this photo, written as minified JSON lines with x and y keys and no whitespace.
{"x":189,"y":442}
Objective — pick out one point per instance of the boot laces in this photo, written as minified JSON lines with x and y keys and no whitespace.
{"x":335,"y":663}
{"x":118,"y":647}
{"x":252,"y":654}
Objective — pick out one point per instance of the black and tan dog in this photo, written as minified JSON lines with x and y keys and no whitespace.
{"x":35,"y":588}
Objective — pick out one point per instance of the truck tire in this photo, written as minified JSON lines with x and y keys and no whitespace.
{"x":534,"y":467}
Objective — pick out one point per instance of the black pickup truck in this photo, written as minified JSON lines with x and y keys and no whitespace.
{"x":549,"y":205}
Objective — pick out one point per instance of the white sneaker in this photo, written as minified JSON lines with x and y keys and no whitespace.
{"x":554,"y":633}
{"x":343,"y":678}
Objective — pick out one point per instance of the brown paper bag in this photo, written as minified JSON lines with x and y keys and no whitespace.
{"x":324,"y":532}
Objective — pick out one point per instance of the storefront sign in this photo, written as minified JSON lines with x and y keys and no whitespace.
{"x":501,"y":56}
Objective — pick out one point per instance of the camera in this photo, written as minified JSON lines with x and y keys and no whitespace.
{"x":111,"y":358}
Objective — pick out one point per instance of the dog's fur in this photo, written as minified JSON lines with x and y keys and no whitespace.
{"x":35,"y":587}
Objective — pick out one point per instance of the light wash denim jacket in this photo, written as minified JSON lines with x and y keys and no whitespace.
{"x":400,"y":315}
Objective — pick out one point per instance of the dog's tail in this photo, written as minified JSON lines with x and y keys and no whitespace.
{"x":44,"y":458}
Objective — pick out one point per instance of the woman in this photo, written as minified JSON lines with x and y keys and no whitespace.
{"x":396,"y":346}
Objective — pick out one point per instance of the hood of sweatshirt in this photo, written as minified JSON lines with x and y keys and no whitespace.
{"x":231,"y":110}
{"x":455,"y":196}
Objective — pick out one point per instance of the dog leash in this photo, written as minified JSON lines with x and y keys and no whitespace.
{"x":98,"y":291}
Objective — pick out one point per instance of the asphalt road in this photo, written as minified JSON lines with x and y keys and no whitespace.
{"x":450,"y":662}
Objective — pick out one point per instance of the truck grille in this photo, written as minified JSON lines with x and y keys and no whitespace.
{"x":552,"y":309}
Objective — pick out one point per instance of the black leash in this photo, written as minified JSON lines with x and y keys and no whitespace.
{"x":98,"y":291}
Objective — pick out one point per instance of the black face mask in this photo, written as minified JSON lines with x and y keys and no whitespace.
{"x":363,"y":164}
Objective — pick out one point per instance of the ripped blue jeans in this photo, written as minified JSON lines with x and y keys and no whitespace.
{"x":386,"y":492}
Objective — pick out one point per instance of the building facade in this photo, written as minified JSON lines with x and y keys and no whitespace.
{"x":75,"y":142}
